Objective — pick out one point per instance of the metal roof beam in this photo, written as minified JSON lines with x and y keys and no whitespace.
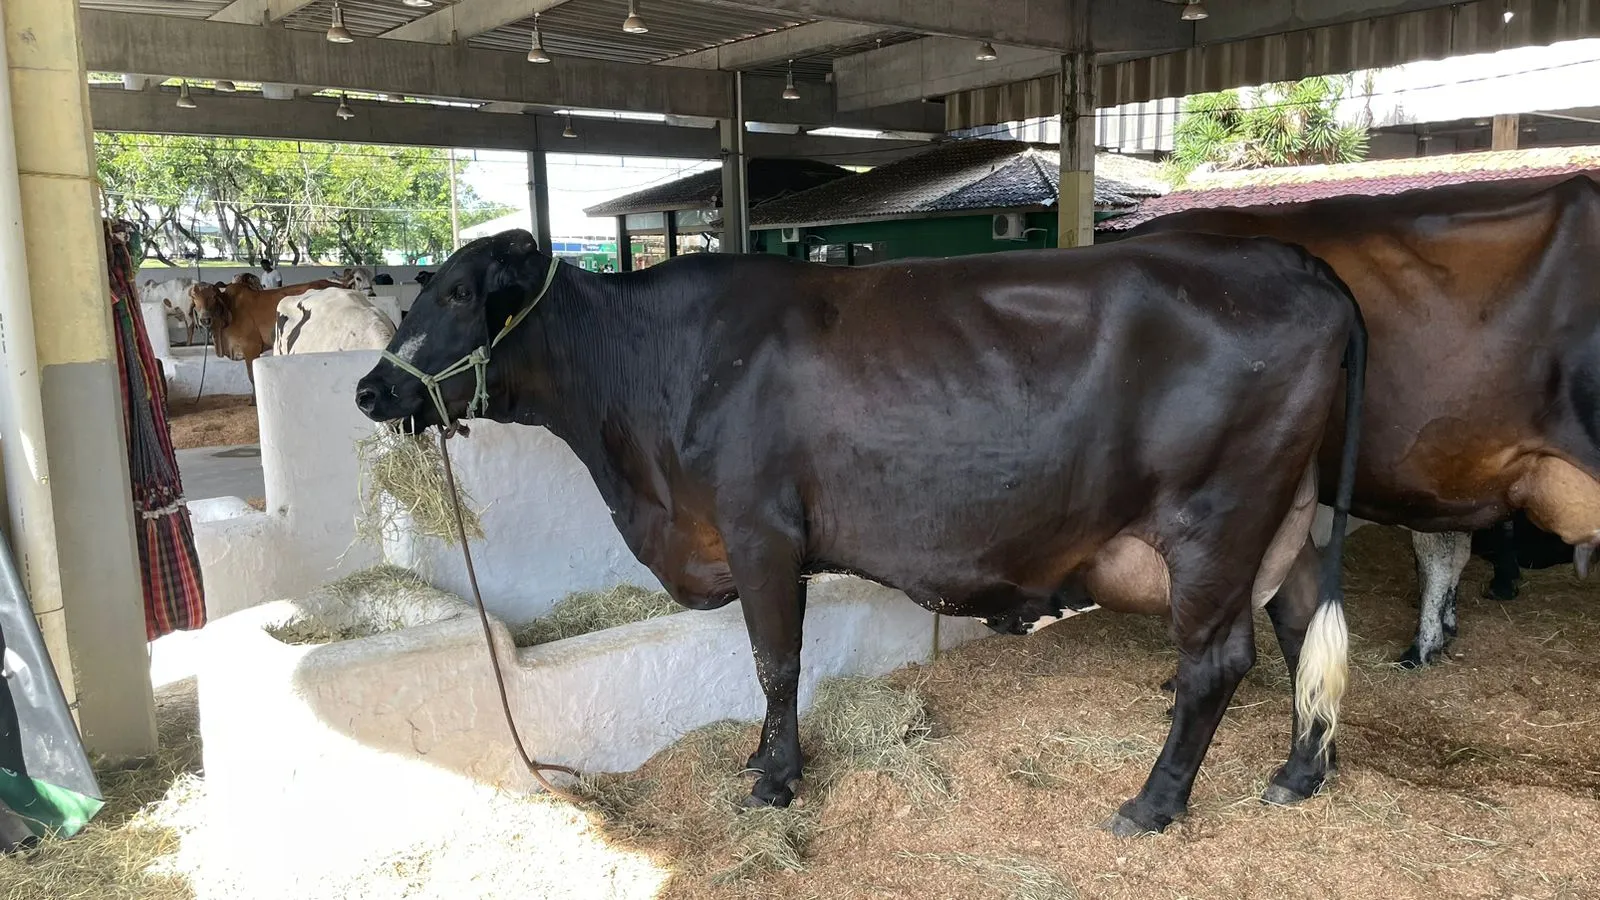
{"x":419,"y":125}
{"x":798,"y":42}
{"x":468,"y":18}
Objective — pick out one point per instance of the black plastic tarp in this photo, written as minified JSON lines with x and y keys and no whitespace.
{"x":46,"y":784}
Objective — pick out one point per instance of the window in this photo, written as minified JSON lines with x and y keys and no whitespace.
{"x":833,"y":254}
{"x":865,"y":254}
{"x":646,"y":221}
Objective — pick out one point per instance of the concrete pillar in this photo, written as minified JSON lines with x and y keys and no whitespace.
{"x":1505,"y":132}
{"x":1076,"y":206}
{"x":1076,"y":203}
{"x":539,"y":197}
{"x":83,"y":579}
{"x":735,"y":198}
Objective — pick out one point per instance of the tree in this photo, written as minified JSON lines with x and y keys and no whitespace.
{"x":322,"y":202}
{"x":1290,"y":124}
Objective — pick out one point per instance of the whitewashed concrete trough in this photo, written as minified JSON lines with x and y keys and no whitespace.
{"x":409,"y":720}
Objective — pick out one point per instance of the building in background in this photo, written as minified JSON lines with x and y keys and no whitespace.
{"x":960,"y":197}
{"x":685,"y":216}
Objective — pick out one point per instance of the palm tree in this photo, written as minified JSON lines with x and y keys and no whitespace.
{"x":1289,"y":124}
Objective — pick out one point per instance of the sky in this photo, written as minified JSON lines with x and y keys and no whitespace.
{"x":576,"y":181}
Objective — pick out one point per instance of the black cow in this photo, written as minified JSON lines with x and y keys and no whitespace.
{"x":998,"y":436}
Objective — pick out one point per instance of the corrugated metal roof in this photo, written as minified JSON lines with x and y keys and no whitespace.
{"x":1300,"y":184}
{"x":953,"y":176}
{"x":364,"y":18}
{"x":593,"y":28}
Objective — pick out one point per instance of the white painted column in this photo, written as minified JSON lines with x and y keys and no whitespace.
{"x":68,"y":498}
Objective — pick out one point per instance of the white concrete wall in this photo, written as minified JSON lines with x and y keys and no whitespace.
{"x":409,"y":722}
{"x":193,"y":370}
{"x":546,"y":530}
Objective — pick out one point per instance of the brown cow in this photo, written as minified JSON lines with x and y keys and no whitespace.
{"x":241,"y":318}
{"x":1484,"y":377}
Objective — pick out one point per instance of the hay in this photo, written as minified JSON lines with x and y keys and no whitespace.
{"x":868,"y":725}
{"x":117,"y":856}
{"x":582,"y":612}
{"x":1024,"y":880}
{"x":855,"y":725}
{"x":404,"y":492}
{"x":372,"y":601}
{"x":1065,"y":748}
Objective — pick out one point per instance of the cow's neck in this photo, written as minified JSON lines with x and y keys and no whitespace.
{"x":607,"y":374}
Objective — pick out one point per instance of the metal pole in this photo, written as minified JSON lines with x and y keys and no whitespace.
{"x":455,"y":216}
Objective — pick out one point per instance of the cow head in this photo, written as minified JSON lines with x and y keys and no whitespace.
{"x":213,"y":308}
{"x":478,"y":289}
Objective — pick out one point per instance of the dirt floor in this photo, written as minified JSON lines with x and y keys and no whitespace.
{"x":1476,"y":778}
{"x":219,"y":421}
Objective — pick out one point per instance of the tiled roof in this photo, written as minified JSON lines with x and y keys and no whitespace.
{"x":765,"y":179}
{"x":954,"y":176}
{"x":1269,"y":187}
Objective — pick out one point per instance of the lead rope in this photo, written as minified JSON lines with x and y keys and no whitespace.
{"x":478,"y":362}
{"x":535,"y":768}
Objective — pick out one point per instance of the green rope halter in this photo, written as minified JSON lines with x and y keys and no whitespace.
{"x":477,"y":361}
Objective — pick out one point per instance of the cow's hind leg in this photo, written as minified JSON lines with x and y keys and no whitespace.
{"x":1291,"y":611}
{"x":773,"y":599}
{"x":1215,"y":658}
{"x":1440,"y":560}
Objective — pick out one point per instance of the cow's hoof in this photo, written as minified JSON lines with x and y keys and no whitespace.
{"x":767,"y":794}
{"x":1124,"y":827}
{"x":1132,"y":821}
{"x":1413,"y":658}
{"x":1278,"y":795}
{"x":1496,"y":590}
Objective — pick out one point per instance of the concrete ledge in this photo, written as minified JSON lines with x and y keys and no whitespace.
{"x":289,"y":728}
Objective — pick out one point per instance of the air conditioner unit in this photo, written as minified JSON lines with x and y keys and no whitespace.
{"x":1007,"y":227}
{"x":790,"y":235}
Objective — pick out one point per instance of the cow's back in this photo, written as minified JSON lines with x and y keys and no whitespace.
{"x":1470,"y":294}
{"x":328,"y":320}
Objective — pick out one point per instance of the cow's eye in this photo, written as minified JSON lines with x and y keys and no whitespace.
{"x":459,"y":294}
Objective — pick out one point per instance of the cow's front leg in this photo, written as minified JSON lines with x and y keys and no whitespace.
{"x":1440,"y":560}
{"x":773,"y":599}
{"x":1507,"y":572}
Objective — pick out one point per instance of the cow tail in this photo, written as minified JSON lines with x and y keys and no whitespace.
{"x":1325,"y":655}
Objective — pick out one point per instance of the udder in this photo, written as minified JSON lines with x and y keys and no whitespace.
{"x":1560,"y":498}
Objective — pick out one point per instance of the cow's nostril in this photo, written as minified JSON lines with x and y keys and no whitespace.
{"x":366,"y":399}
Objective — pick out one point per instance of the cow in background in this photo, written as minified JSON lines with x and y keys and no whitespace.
{"x":330,"y":319}
{"x":355,"y":278}
{"x":242,"y":319}
{"x":1485,"y":391}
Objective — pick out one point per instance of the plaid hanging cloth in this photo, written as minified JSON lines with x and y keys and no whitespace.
{"x":174,"y":597}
